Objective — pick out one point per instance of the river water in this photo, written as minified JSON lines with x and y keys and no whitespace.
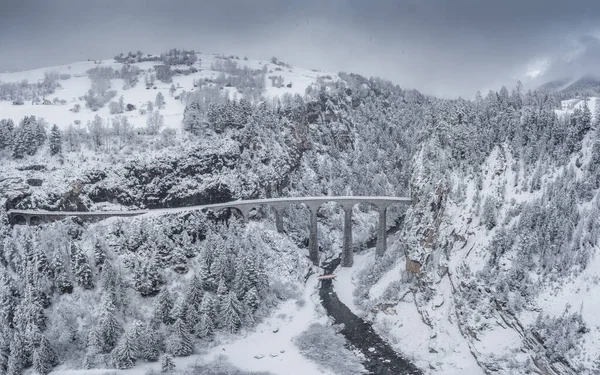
{"x":380,"y":358}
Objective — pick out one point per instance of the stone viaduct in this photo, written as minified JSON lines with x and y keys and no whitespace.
{"x":34,"y":217}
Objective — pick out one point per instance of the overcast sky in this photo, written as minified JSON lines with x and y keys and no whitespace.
{"x":446,"y":48}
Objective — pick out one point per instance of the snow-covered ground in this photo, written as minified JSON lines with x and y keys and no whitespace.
{"x":579,"y":294}
{"x":569,"y":105}
{"x":271,"y":340}
{"x":79,"y":83}
{"x":440,"y":349}
{"x":344,"y":283}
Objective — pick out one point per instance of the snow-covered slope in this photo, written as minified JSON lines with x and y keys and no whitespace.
{"x":459,"y":306}
{"x":569,"y":105}
{"x":73,"y":88}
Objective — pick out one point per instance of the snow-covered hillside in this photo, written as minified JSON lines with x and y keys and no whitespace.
{"x":505,"y":257}
{"x":72,"y":89}
{"x":569,"y":105}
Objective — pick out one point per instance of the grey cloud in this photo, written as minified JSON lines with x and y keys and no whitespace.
{"x":582,"y":58}
{"x":441,"y":47}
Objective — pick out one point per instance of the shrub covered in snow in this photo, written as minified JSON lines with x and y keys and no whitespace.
{"x":324,"y":346}
{"x":560,"y":336}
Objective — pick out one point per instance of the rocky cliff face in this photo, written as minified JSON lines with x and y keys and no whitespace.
{"x":193,"y":176}
{"x":469,"y":256}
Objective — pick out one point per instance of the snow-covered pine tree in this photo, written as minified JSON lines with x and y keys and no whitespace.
{"x":28,"y":251}
{"x":578,"y":125}
{"x":251,"y":300}
{"x":586,"y":119}
{"x":6,"y":133}
{"x":133,"y":235}
{"x":137,"y":328}
{"x":31,"y":337}
{"x":39,"y":131}
{"x":216,"y":268}
{"x":192,"y":318}
{"x":4,"y":350}
{"x":125,"y":352}
{"x":13,"y":256}
{"x":147,"y":278}
{"x":222,"y":292}
{"x":99,"y":253}
{"x":596,"y":120}
{"x":19,"y":144}
{"x":55,"y":141}
{"x":185,"y":242}
{"x":230,"y":313}
{"x":180,"y":343}
{"x":205,"y":327}
{"x":149,"y":344}
{"x":208,"y":306}
{"x":30,"y":137}
{"x":18,"y":359}
{"x":240,"y":281}
{"x":61,"y":279}
{"x":164,"y":306}
{"x":8,"y":300}
{"x":203,"y":272}
{"x":180,"y":309}
{"x":192,"y":118}
{"x":217,"y":116}
{"x":110,"y":284}
{"x":10,"y":125}
{"x":81,"y":267}
{"x":162,"y":248}
{"x":178,"y":256}
{"x":30,"y":312}
{"x":149,"y":79}
{"x":195,"y":293}
{"x":255,"y":274}
{"x":108,"y":277}
{"x":4,"y":232}
{"x":488,"y":214}
{"x":44,"y":357}
{"x":35,"y":308}
{"x":41,"y":263}
{"x":108,"y":327}
{"x":93,"y":347}
{"x":193,"y":300}
{"x":167,"y":364}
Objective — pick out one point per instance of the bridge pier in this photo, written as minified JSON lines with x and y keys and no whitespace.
{"x":347,"y":253}
{"x":313,"y":241}
{"x":245,"y":211}
{"x":278,"y":219}
{"x":27,"y":220}
{"x":381,"y":231}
